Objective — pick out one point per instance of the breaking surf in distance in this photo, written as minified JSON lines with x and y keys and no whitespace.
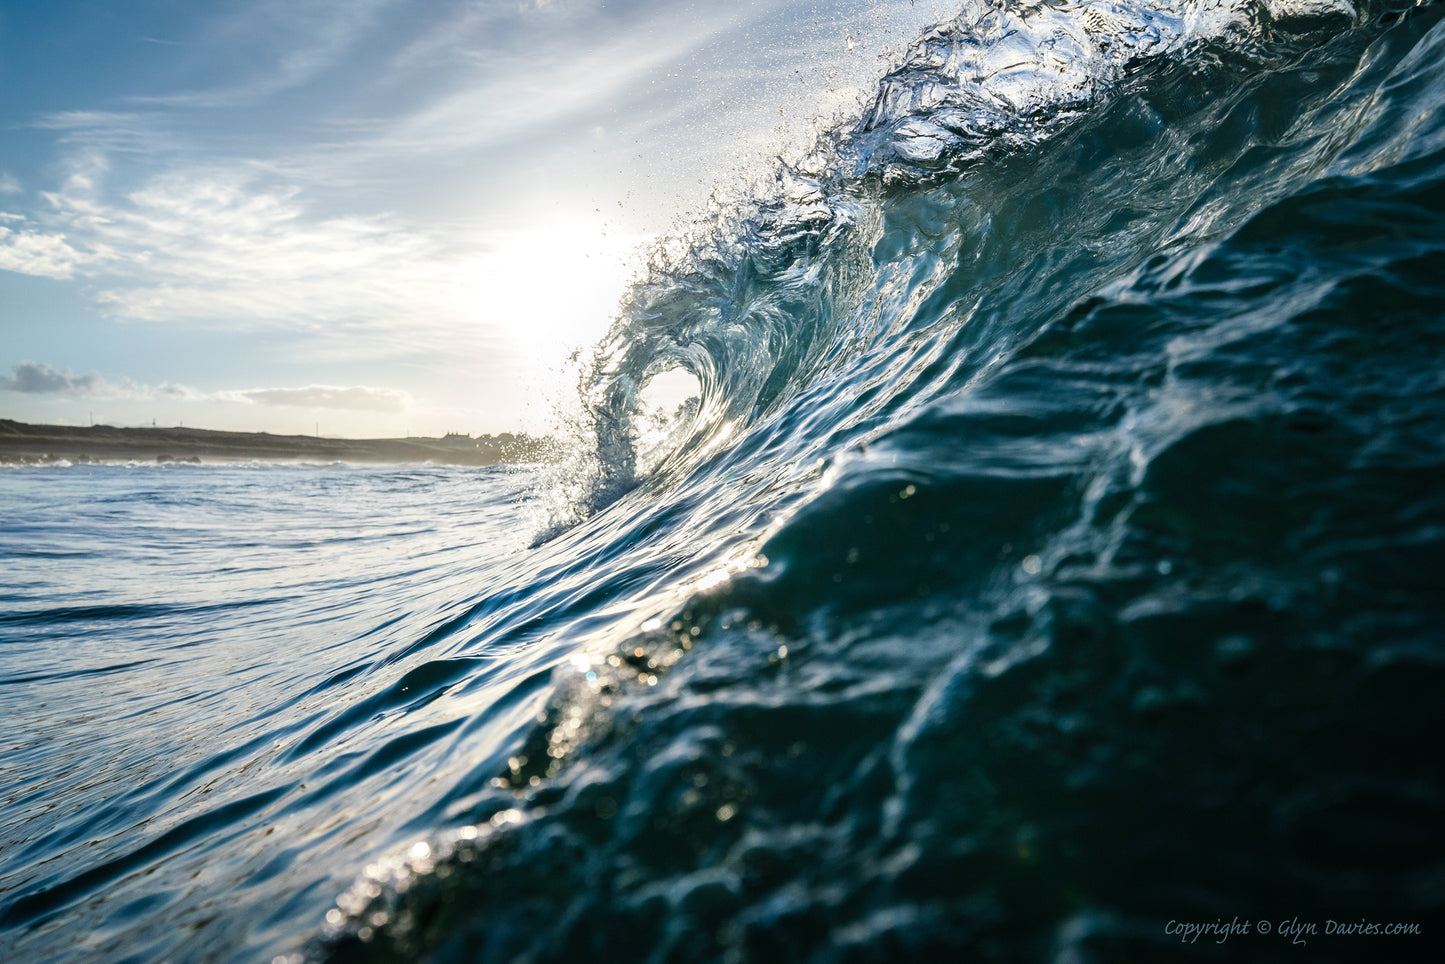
{"x":1012,"y":526}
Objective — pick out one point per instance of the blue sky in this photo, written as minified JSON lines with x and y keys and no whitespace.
{"x":377,"y":216}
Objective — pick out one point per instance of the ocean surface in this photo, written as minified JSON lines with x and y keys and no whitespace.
{"x":1051,"y":559}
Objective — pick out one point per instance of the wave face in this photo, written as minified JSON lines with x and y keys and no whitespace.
{"x":792,"y":284}
{"x":1052,"y":551}
{"x":1069,"y":457}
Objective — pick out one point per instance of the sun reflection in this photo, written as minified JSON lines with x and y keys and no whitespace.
{"x":721,"y":574}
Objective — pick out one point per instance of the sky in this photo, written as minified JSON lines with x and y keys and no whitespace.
{"x":373,"y":217}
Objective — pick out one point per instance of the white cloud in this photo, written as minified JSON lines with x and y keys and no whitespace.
{"x":37,"y":253}
{"x":359,"y":398}
{"x":8,"y":184}
{"x":219,"y":249}
{"x":36,"y":378}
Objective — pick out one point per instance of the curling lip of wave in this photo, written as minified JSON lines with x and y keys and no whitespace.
{"x":996,"y":78}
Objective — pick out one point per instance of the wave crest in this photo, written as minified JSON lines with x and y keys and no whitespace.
{"x":756,"y":301}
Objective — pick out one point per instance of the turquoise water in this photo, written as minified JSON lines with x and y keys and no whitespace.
{"x":1053,"y":552}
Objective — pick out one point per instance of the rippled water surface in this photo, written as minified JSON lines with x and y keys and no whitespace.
{"x":1053,"y":551}
{"x":200,"y":667}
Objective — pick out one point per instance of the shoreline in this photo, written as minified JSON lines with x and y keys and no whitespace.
{"x":22,"y":443}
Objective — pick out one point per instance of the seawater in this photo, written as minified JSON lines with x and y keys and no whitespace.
{"x":181,"y":642}
{"x":1052,"y":551}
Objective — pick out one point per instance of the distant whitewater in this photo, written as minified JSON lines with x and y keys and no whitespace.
{"x":1050,"y":557}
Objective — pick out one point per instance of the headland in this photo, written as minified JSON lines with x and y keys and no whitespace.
{"x":22,"y":442}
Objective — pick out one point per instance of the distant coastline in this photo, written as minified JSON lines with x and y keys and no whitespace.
{"x":24,"y":443}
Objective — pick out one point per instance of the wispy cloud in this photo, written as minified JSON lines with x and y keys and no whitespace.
{"x":36,"y":378}
{"x":544,"y":83}
{"x":93,"y":136}
{"x":171,"y":213}
{"x":357,"y":398}
{"x":8,"y":183}
{"x":219,"y":248}
{"x":69,"y":120}
{"x":303,"y":40}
